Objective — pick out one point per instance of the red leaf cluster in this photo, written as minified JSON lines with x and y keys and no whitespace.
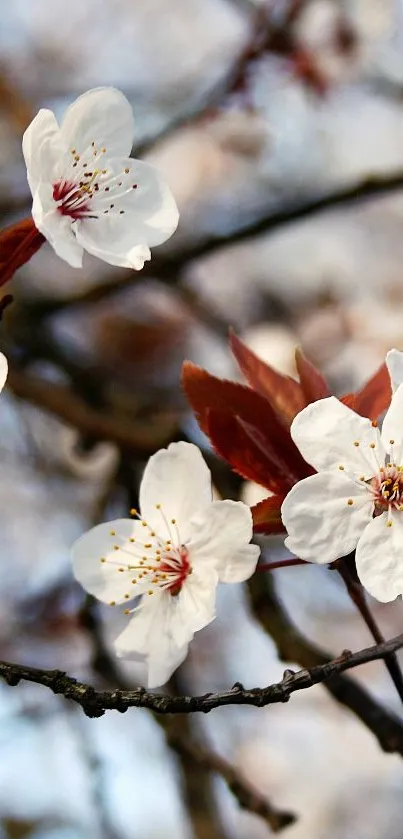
{"x":18,"y":244}
{"x":249,"y":425}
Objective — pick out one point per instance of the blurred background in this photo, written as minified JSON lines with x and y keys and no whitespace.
{"x":279,"y":126}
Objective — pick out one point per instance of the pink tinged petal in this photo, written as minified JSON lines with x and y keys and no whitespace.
{"x":102,"y":115}
{"x":42,"y":131}
{"x":394,"y":363}
{"x":56,"y":228}
{"x":103,"y":578}
{"x":179,"y":480}
{"x":392,"y":427}
{"x":325,"y":516}
{"x":379,"y":556}
{"x":329,"y":435}
{"x":3,"y":370}
{"x":220,"y":538}
{"x":149,"y":634}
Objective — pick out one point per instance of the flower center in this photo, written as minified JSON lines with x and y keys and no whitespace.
{"x":157,"y":563}
{"x":88,"y":188}
{"x":387,"y":488}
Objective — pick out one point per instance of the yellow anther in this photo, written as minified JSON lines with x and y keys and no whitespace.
{"x":148,"y":545}
{"x":132,"y":540}
{"x":121,"y":570}
{"x":103,"y":150}
{"x":356,"y":442}
{"x":350,"y":502}
{"x":112,"y":532}
{"x":134,"y":582}
{"x":372,"y":445}
{"x":103,"y":559}
{"x":127,"y":596}
{"x":152,"y":533}
{"x":173,"y":521}
{"x":150,"y":591}
{"x":127,"y":170}
{"x":77,"y":157}
{"x":389,"y":523}
{"x":133,"y":511}
{"x":112,"y":603}
{"x":116,"y":547}
{"x":341,"y":468}
{"x":362,"y":478}
{"x":127,"y":611}
{"x":158,"y":506}
{"x":391,"y":442}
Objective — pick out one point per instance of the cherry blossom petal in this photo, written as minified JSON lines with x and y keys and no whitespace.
{"x":394,"y":363}
{"x":220,"y":537}
{"x":162,"y":628}
{"x":3,"y":370}
{"x":126,"y":227}
{"x":102,"y":115}
{"x":179,"y":480}
{"x":42,"y":129}
{"x":330,"y":435}
{"x":56,"y":228}
{"x":392,"y":427}
{"x":103,"y":579}
{"x":379,"y":556}
{"x":195,"y":603}
{"x":321,"y":523}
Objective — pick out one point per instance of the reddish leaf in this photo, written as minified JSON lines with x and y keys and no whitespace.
{"x":374,"y":398}
{"x":284,"y":393}
{"x":266,"y":515}
{"x":18,"y":244}
{"x":258,"y":418}
{"x":313,"y":384}
{"x":238,"y":446}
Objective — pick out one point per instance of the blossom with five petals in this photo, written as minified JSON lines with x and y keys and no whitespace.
{"x":355,"y":502}
{"x":172,"y":556}
{"x":88,"y":194}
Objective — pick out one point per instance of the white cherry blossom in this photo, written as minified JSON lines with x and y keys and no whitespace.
{"x":3,"y":370}
{"x":88,"y":194}
{"x":171,"y":557}
{"x":355,"y":502}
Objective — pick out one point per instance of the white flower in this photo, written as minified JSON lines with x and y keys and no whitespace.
{"x":173,"y":557}
{"x":355,"y":502}
{"x":87,"y":192}
{"x":3,"y":370}
{"x":394,"y":363}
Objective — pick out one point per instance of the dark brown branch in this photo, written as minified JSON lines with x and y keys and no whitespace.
{"x":292,"y":646}
{"x":94,"y":702}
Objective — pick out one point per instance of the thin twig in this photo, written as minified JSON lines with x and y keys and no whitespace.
{"x":357,"y":596}
{"x":292,"y":646}
{"x":280,"y":563}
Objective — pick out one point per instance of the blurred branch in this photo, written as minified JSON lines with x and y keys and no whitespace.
{"x":95,"y":702}
{"x":169,"y":266}
{"x":75,"y":411}
{"x":248,"y":798}
{"x":178,"y":736}
{"x":292,"y":646}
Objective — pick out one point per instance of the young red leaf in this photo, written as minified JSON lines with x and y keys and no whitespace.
{"x":206,"y":392}
{"x":374,"y":397}
{"x":267,"y":516}
{"x":313,"y":384}
{"x":18,"y":244}
{"x":284,"y":393}
{"x":238,"y":446}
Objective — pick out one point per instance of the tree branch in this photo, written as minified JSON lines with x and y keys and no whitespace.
{"x":95,"y":702}
{"x":75,"y":411}
{"x":292,"y":646}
